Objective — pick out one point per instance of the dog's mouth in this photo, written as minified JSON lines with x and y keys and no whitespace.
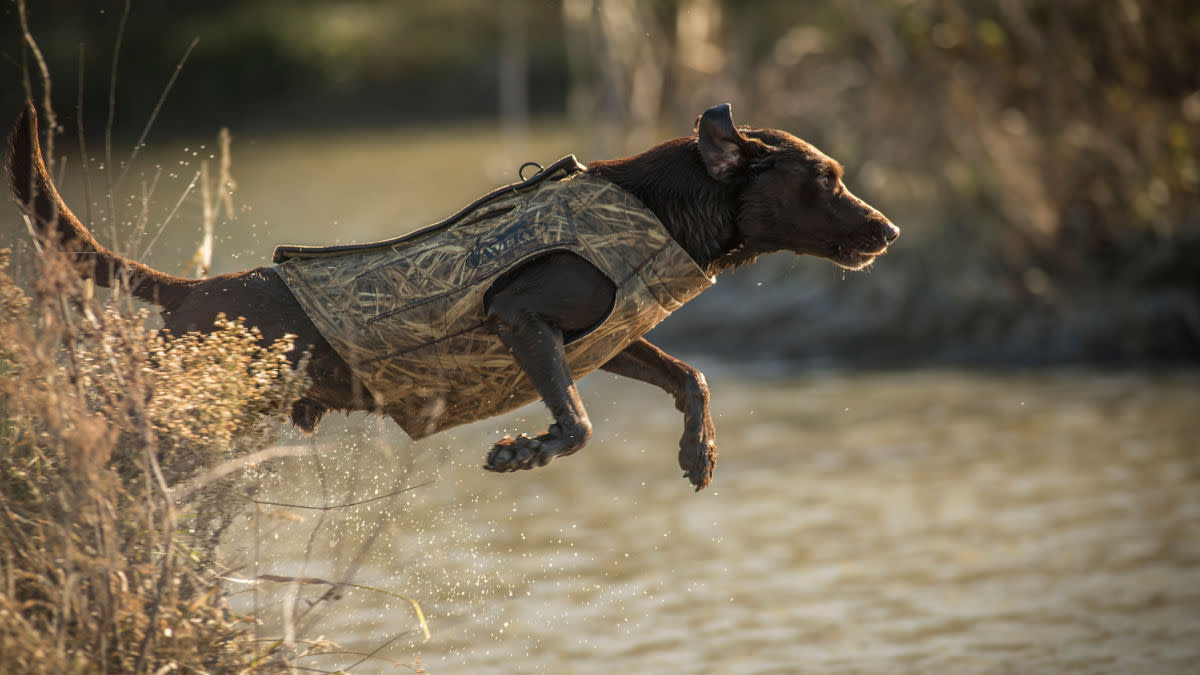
{"x":855,"y":260}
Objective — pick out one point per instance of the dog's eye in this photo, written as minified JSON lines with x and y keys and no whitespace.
{"x":825,"y":181}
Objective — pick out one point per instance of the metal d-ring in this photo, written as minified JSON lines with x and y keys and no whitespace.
{"x":521,"y":171}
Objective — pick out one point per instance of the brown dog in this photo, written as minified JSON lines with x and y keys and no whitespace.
{"x":723,"y":197}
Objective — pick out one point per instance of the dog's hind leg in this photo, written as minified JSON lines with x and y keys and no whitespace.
{"x":307,"y":414}
{"x":697,"y":448}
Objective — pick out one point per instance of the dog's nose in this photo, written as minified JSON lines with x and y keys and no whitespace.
{"x":890,"y":232}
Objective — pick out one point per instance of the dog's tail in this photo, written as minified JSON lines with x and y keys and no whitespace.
{"x":56,"y":226}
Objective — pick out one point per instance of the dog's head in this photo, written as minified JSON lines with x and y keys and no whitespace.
{"x":792,"y":196}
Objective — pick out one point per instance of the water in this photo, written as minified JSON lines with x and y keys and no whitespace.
{"x":901,"y":522}
{"x":928,"y":521}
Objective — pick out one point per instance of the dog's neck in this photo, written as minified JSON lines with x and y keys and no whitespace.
{"x":699,"y":212}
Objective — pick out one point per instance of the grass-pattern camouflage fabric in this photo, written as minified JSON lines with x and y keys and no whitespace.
{"x":408,"y":316}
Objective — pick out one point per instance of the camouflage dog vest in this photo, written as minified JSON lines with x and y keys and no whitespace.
{"x":408,"y":315}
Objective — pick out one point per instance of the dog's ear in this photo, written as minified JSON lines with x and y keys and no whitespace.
{"x":722,"y":146}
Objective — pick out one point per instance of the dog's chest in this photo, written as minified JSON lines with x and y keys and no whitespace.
{"x":408,"y":317}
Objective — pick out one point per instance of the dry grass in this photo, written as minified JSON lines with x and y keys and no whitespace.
{"x":125,"y":455}
{"x":102,"y":569}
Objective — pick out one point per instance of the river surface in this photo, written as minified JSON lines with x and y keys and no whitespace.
{"x":925,"y":521}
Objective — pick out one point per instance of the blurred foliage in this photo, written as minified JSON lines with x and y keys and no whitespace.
{"x":1059,"y":129}
{"x":1040,"y":156}
{"x":1071,"y":126}
{"x":282,"y":62}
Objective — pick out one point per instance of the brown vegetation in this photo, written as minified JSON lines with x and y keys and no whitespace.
{"x":103,"y":568}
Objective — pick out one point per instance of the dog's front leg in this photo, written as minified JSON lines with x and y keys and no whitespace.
{"x":698,"y":445}
{"x":537,"y":347}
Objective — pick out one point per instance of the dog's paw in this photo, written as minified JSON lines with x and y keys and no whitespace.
{"x":514,"y":454}
{"x":698,"y":459}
